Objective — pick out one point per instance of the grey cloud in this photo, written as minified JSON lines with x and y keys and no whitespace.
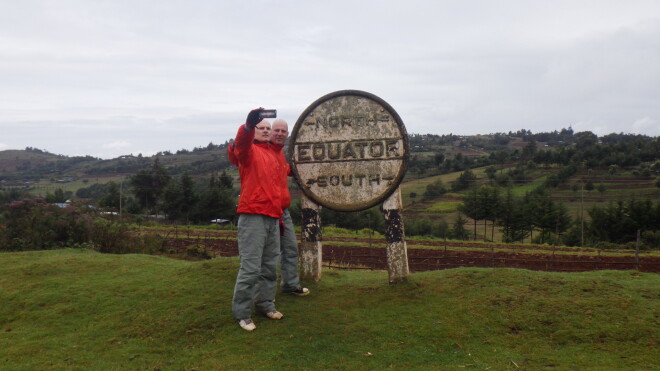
{"x":166,"y":75}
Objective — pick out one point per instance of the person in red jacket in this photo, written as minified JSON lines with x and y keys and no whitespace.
{"x":289,"y":282}
{"x":259,"y":209}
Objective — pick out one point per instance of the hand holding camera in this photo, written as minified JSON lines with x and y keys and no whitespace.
{"x":256,"y":115}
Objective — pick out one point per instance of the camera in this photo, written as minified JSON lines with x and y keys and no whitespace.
{"x":268,"y":113}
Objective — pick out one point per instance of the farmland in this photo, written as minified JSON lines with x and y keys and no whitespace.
{"x":509,"y":187}
{"x":341,"y":250}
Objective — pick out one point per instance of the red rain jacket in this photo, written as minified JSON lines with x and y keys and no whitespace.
{"x":286,"y":196}
{"x":262,"y":175}
{"x":277,"y":149}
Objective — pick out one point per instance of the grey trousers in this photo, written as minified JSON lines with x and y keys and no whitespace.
{"x":259,"y":250}
{"x":289,"y":256}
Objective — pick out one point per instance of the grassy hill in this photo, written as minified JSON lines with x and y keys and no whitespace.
{"x":607,"y":188}
{"x":34,"y":164}
{"x":78,"y":309}
{"x":41,"y":172}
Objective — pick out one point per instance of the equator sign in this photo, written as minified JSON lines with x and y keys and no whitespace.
{"x":349,"y":150}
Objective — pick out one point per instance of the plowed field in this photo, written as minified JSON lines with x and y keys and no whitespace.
{"x":435,"y":255}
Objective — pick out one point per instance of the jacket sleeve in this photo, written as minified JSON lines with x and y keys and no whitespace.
{"x":231,"y":154}
{"x":243,"y":144}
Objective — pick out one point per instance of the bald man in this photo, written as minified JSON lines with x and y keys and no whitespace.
{"x":290,"y":282}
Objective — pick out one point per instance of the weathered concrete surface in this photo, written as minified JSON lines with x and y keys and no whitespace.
{"x":311,"y":250}
{"x":397,"y":255}
{"x":349,"y":151}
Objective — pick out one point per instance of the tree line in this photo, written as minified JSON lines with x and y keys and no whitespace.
{"x":537,"y":216}
{"x":179,"y":198}
{"x":565,"y":148}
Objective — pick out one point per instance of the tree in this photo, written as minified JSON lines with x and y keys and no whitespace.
{"x":148,"y":185}
{"x":143,"y":188}
{"x":562,"y":220}
{"x":490,"y":204}
{"x":512,"y":219}
{"x":546,"y":214}
{"x":438,"y":158}
{"x":94,"y":192}
{"x":589,"y":186}
{"x":58,"y":196}
{"x":501,"y":157}
{"x":226,"y":181}
{"x":434,"y":190}
{"x":216,"y":201}
{"x":179,"y":198}
{"x":528,"y":151}
{"x":464,"y":181}
{"x":111,"y":198}
{"x":458,"y":231}
{"x":490,"y":172}
{"x":535,"y":205}
{"x":613,"y":169}
{"x":471,"y":207}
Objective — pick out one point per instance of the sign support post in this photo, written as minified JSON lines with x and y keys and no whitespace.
{"x":311,"y":252}
{"x":397,"y":254}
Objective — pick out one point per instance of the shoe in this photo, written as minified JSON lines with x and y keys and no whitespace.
{"x":300,"y":291}
{"x":247,"y":324}
{"x":274,"y":315}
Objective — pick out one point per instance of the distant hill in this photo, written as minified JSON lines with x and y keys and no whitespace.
{"x":31,"y":164}
{"x":34,"y":164}
{"x":431,"y":155}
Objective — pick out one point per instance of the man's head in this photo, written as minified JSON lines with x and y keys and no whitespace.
{"x":262,"y":131}
{"x":280,"y":132}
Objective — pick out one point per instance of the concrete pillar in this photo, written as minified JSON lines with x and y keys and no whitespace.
{"x":397,"y":255}
{"x":310,"y":252}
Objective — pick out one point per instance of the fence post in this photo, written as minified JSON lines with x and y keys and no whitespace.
{"x":637,"y":250}
{"x":492,"y":255}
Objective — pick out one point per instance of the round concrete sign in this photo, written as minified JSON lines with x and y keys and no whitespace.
{"x":349,"y":150}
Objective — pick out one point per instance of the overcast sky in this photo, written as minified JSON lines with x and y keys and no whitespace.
{"x":107,"y":78}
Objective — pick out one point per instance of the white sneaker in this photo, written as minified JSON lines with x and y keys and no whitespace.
{"x":247,"y":324}
{"x":274,"y":315}
{"x":298,"y":291}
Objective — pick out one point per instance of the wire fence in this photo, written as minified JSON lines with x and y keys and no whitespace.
{"x":436,"y":256}
{"x":355,"y":258}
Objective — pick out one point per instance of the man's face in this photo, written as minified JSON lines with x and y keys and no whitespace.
{"x":280,"y":132}
{"x":262,"y":132}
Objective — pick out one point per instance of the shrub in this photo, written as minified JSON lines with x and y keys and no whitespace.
{"x":603,"y":245}
{"x":33,"y":224}
{"x":650,"y":240}
{"x":426,"y":227}
{"x":118,"y":238}
{"x":199,"y":251}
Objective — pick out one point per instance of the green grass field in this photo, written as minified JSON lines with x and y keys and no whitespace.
{"x":81,"y":310}
{"x":443,"y":207}
{"x":45,"y":186}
